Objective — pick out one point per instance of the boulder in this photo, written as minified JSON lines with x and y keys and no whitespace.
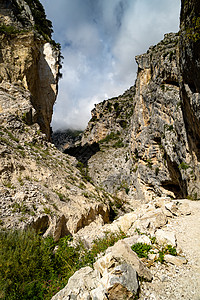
{"x":175,"y":260}
{"x":166,"y":237}
{"x":144,"y":239}
{"x":80,"y":286}
{"x":121,"y":281}
{"x":118,"y":254}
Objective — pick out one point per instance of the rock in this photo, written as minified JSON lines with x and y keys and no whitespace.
{"x":175,"y":260}
{"x":123,"y":223}
{"x":172,"y":207}
{"x":152,"y":256}
{"x":121,"y":253}
{"x":124,"y":276}
{"x":144,"y":240}
{"x":184,"y":207}
{"x":150,"y":220}
{"x":165,"y":237}
{"x":80,"y":286}
{"x":119,"y":292}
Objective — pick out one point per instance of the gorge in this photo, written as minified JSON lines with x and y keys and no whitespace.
{"x":133,"y":172}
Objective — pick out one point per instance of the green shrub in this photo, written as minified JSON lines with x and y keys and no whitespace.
{"x":42,"y":25}
{"x":31,"y":269}
{"x":25,"y":264}
{"x":119,"y":144}
{"x":111,"y":136}
{"x":141,"y":249}
{"x":168,"y":249}
{"x":84,"y":172}
{"x":183,"y":166}
{"x":8,"y":29}
{"x":157,"y":171}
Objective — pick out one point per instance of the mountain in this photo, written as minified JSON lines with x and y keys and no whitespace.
{"x":40,"y":187}
{"x":148,"y":137}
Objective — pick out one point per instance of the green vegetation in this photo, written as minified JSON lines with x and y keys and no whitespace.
{"x":20,"y":180}
{"x":193,"y":197}
{"x":20,"y":208}
{"x":168,"y":249}
{"x":42,"y":25}
{"x":119,"y":144}
{"x":84,"y":172}
{"x":193,"y":32}
{"x":141,"y":249}
{"x":110,"y":137}
{"x":31,"y":269}
{"x":149,"y":163}
{"x":60,"y":195}
{"x":8,"y":185}
{"x":8,"y":29}
{"x":162,"y":86}
{"x":183,"y":166}
{"x":124,"y":185}
{"x":157,"y":171}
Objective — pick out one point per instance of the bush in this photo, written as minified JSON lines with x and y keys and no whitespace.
{"x":32,"y":269}
{"x":168,"y":249}
{"x":25,"y":264}
{"x":141,"y":249}
{"x":42,"y":24}
{"x":8,"y":29}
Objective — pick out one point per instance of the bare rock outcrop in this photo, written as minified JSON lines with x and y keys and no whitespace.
{"x":151,"y":153}
{"x":29,"y":58}
{"x":40,"y":187}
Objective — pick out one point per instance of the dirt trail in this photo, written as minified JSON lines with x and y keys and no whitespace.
{"x":183,"y":282}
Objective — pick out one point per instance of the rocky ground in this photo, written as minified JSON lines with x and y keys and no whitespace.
{"x":179,"y":282}
{"x":163,"y":222}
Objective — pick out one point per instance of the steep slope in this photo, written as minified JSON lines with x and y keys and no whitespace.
{"x":39,"y":186}
{"x":156,"y":158}
{"x":29,"y":57}
{"x":190,"y":82}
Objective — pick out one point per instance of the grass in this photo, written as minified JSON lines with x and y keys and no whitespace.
{"x":84,"y":172}
{"x":31,"y":269}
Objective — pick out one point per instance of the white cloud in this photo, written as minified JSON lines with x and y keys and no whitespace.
{"x":100,"y":39}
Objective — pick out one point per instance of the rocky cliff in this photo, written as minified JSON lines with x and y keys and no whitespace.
{"x":149,"y":136}
{"x":29,"y":58}
{"x":138,"y":156}
{"x":39,"y":186}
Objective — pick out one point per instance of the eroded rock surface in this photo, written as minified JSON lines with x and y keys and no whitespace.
{"x":145,"y":148}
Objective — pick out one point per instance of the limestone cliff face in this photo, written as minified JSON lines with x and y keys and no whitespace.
{"x":190,"y":81}
{"x":40,"y":187}
{"x":160,"y":155}
{"x":28,"y":59}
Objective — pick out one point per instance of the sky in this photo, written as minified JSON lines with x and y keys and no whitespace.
{"x":100,"y":39}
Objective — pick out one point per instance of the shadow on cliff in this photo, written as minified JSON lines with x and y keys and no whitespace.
{"x":83,"y":153}
{"x":43,"y":85}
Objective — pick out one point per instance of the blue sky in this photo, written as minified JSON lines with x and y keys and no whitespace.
{"x":100,"y":39}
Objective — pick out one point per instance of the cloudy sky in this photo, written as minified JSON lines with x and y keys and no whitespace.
{"x":100,"y":39}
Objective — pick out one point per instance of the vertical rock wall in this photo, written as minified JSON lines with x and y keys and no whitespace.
{"x":28,"y":59}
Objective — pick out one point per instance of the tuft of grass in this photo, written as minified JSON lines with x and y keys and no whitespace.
{"x":8,"y":184}
{"x":61,"y":196}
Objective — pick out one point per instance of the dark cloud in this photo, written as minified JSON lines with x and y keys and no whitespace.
{"x":100,"y":39}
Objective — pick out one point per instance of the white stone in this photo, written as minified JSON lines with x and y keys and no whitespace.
{"x":165,"y":237}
